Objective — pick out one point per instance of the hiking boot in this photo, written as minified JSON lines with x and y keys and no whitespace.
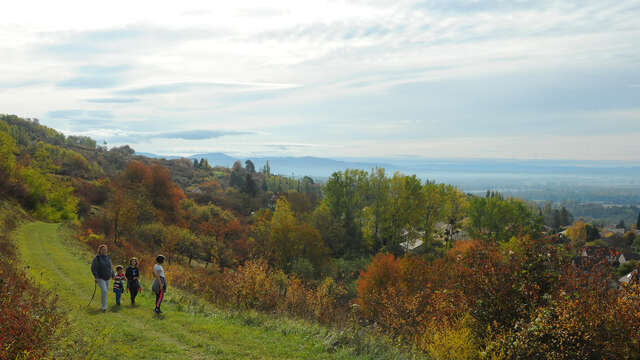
{"x":157,"y":311}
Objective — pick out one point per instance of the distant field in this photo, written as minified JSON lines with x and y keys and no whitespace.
{"x":188,"y":329}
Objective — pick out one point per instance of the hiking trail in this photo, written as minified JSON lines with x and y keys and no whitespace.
{"x":57,"y":262}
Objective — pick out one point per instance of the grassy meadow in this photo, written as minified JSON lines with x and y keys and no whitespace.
{"x":188,"y":328}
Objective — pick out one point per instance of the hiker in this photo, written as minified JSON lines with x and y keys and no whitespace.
{"x":118,"y":283}
{"x":159,"y":283}
{"x":102,"y":272}
{"x":133,"y":284}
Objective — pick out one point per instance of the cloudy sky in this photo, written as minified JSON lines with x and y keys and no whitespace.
{"x":436,"y":78}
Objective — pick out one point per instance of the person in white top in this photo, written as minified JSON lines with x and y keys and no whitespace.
{"x":159,"y":286}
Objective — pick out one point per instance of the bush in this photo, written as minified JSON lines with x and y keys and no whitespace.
{"x":457,"y":342}
{"x":255,"y":285}
{"x":29,"y":316}
{"x":302,"y":268}
{"x":383,"y":272}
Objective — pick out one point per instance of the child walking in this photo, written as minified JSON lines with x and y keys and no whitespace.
{"x":159,"y":283}
{"x":133,"y":284}
{"x":118,"y":283}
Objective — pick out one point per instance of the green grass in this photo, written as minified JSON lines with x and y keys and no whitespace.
{"x":189,"y":328}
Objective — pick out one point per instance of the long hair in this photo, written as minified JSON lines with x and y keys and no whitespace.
{"x":132,"y":259}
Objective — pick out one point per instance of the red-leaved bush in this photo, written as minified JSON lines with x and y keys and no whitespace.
{"x":514,"y":300}
{"x":29,"y":315}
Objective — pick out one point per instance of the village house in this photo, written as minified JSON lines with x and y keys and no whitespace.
{"x":627,"y":256}
{"x":632,"y":277}
{"x":591,"y":255}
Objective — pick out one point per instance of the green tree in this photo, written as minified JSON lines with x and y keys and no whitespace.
{"x":248,"y":165}
{"x":250,"y":186}
{"x":8,"y":149}
{"x":498,"y":219}
{"x":565,"y":217}
{"x":266,"y":170}
{"x":345,"y":195}
{"x":237,"y":178}
{"x":376,"y":214}
{"x":407,"y":201}
{"x":53,"y":198}
{"x":432,"y":212}
{"x":455,"y":208}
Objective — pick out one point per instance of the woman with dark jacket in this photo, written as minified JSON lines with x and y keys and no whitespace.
{"x":102,"y":271}
{"x":133,"y":284}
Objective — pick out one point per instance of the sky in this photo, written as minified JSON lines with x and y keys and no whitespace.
{"x":514,"y":79}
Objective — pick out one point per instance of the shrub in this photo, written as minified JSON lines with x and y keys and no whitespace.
{"x":29,"y":316}
{"x":456,"y":342}
{"x":256,"y":285}
{"x":383,"y":272}
{"x":302,"y":268}
{"x":324,"y":299}
{"x":295,"y":300}
{"x":589,"y":321}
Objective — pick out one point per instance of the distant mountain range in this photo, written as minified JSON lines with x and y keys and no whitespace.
{"x":468,"y":173}
{"x":297,"y":166}
{"x":287,"y":165}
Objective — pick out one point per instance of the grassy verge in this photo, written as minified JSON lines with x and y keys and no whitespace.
{"x":189,"y":328}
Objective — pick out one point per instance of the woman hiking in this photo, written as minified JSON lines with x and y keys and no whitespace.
{"x":159,"y":283}
{"x":102,"y":272}
{"x":133,"y":284}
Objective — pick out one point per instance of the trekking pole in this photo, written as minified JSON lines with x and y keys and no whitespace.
{"x":95,"y":286}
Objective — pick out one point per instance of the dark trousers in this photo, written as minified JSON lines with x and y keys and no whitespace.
{"x":160,"y":289}
{"x":159,"y":297}
{"x":133,"y":291}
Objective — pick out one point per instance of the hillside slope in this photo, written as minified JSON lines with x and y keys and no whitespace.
{"x":183,"y":331}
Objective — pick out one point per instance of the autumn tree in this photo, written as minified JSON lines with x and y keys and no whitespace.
{"x":577,"y":233}
{"x":165,"y":195}
{"x":283,"y":245}
{"x":330,"y":227}
{"x":280,"y":238}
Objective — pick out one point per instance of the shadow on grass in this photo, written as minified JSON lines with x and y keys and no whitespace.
{"x":93,"y":311}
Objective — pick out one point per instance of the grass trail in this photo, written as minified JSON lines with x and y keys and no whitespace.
{"x":127,"y":332}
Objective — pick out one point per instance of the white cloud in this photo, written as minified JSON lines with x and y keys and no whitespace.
{"x":330,"y":72}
